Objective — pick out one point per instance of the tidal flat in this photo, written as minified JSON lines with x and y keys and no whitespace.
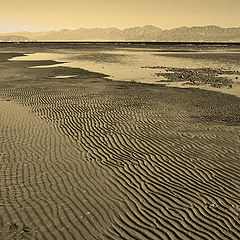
{"x":91,"y":154}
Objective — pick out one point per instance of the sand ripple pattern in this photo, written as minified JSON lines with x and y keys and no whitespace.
{"x":94,"y":166}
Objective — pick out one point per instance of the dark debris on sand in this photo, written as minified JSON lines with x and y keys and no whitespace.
{"x":16,"y":231}
{"x":214,"y":77}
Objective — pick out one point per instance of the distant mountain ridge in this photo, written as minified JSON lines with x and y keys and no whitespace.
{"x":146,"y":33}
{"x":13,"y":38}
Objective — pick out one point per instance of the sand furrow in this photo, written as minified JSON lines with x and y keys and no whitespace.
{"x":86,"y":163}
{"x":54,"y":186}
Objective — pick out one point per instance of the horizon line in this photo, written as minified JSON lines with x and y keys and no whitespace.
{"x":127,"y":42}
{"x":77,"y":28}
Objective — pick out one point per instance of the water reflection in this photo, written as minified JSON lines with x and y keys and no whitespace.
{"x":129,"y":64}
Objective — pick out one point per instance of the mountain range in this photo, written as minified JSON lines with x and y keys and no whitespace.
{"x":146,"y":33}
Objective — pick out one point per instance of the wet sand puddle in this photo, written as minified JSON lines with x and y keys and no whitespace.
{"x":131,"y":65}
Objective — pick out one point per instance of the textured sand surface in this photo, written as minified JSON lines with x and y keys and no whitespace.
{"x":87,"y":158}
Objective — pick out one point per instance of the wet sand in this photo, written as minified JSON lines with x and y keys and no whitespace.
{"x":89,"y":158}
{"x":215,"y":69}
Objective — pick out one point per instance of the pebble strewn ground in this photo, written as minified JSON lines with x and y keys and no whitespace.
{"x":214,"y":77}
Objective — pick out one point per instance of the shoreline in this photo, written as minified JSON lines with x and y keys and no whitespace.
{"x":83,"y":74}
{"x":233,"y":86}
{"x":87,"y":158}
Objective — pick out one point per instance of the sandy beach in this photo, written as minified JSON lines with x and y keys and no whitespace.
{"x":90,"y":158}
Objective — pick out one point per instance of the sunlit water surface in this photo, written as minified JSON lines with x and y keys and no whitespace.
{"x":129,"y":64}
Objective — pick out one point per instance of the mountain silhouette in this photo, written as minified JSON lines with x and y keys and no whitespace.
{"x":146,"y":33}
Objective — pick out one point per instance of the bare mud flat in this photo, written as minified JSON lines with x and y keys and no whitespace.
{"x":89,"y":158}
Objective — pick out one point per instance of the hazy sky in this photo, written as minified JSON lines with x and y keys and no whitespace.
{"x":35,"y":15}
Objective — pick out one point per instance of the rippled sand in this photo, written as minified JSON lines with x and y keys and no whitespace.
{"x":87,"y":158}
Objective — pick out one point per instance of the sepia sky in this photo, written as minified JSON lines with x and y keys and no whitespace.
{"x":36,"y":15}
